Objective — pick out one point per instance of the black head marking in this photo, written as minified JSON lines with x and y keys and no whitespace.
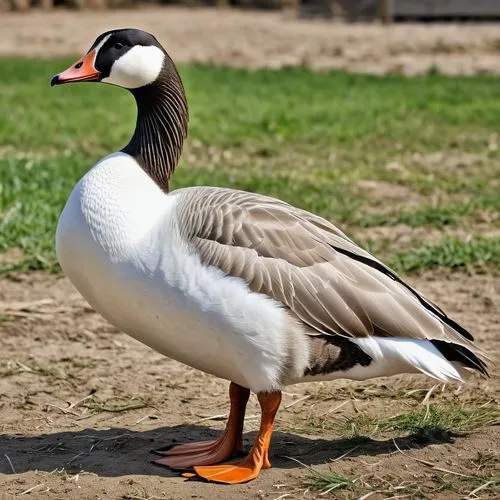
{"x":119,"y":42}
{"x":162,"y":111}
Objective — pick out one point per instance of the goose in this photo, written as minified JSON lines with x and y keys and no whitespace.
{"x":242,"y":286}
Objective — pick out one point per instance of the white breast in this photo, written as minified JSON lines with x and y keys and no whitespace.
{"x":118,"y":242}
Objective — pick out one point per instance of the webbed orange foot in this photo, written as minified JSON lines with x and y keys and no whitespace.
{"x":201,"y":453}
{"x":212,"y":452}
{"x":242,"y":471}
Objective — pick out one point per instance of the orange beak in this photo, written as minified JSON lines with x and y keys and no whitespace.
{"x":82,"y":71}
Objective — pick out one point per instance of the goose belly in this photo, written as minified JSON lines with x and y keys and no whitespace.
{"x":163,"y":296}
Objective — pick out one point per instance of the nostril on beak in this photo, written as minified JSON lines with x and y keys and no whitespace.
{"x":78,"y":65}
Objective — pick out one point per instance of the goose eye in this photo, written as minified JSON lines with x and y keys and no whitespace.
{"x":118,"y":45}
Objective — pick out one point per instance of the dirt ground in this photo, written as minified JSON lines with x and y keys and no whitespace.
{"x":257,"y":39}
{"x":82,"y":405}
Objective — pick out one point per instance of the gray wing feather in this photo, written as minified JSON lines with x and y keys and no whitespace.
{"x":303,"y":261}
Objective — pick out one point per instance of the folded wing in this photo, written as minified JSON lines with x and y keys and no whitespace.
{"x":303,"y":261}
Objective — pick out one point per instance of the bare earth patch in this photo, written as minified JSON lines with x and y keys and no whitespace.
{"x":263,"y":39}
{"x":82,"y":405}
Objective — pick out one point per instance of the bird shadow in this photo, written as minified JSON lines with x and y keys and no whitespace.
{"x":118,"y":452}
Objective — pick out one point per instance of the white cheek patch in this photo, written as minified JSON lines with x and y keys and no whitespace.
{"x":138,"y":67}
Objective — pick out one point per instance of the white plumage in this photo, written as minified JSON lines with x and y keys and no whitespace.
{"x":118,"y":242}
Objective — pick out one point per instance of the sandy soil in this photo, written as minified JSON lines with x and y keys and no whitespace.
{"x":82,"y":405}
{"x":257,"y":39}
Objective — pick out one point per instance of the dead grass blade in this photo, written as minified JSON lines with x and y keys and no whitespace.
{"x":10,"y":463}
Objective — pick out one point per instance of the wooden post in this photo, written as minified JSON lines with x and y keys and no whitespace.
{"x":20,"y":4}
{"x":385,"y":11}
{"x":222,"y":4}
{"x":337,"y":10}
{"x":290,"y":6}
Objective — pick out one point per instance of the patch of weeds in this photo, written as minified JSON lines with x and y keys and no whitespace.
{"x":320,"y":393}
{"x":384,"y":485}
{"x":468,"y":485}
{"x":450,"y":252}
{"x":363,"y":424}
{"x":486,"y":459}
{"x":424,"y":426}
{"x":51,"y":373}
{"x":436,"y":423}
{"x":36,"y":262}
{"x":116,"y":405}
{"x":440,"y":216}
{"x":370,"y":391}
{"x":327,"y":482}
{"x":355,"y":429}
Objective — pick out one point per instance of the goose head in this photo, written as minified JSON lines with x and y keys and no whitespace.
{"x":135,"y":60}
{"x":128,"y":58}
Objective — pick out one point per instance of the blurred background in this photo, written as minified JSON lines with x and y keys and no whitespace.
{"x":349,"y":10}
{"x":371,"y":36}
{"x":382,"y":116}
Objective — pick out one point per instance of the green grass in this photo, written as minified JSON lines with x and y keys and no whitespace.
{"x":308,"y":138}
{"x":437,"y":420}
{"x":328,"y":482}
{"x":433,"y":423}
{"x":434,"y":215}
{"x":452,"y":253}
{"x":338,"y":485}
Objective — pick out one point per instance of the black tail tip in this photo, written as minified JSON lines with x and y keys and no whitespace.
{"x":460,"y":354}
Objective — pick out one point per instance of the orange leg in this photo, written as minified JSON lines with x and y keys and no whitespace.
{"x":241,"y":471}
{"x":213,"y":452}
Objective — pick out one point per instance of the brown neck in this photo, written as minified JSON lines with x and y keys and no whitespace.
{"x":162,"y":121}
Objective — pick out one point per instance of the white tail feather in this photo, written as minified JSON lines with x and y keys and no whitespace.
{"x":414,"y":355}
